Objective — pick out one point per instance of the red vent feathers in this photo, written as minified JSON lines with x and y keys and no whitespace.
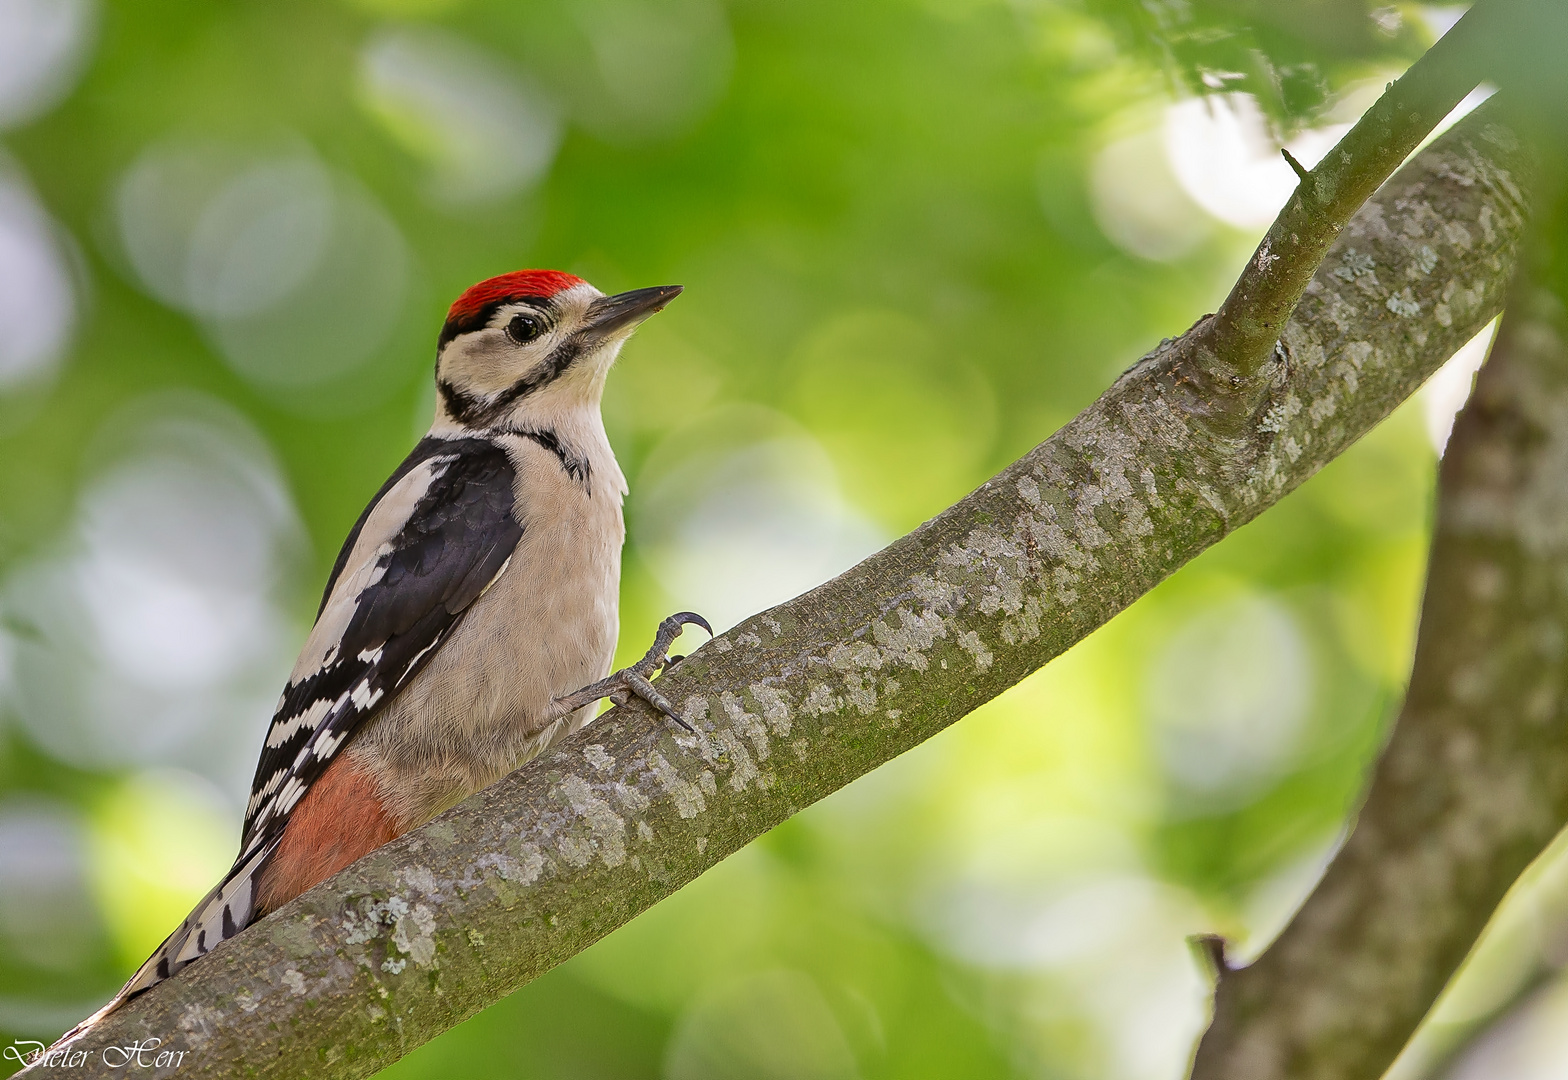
{"x":517,"y":283}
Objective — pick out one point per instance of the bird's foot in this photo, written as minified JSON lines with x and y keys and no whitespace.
{"x":636,"y":680}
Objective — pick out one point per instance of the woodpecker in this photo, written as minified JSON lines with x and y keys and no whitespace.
{"x":471,"y":617}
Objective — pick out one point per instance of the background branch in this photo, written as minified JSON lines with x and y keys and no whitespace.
{"x":1474,"y":782}
{"x":795,"y":703}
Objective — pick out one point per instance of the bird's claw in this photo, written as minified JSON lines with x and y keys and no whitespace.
{"x":669,"y":630}
{"x":650,"y":693}
{"x":635,"y":680}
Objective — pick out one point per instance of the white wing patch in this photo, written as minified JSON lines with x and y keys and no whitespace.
{"x":328,"y":744}
{"x":292,"y":792}
{"x":284,"y":730}
{"x":364,"y":568}
{"x":497,"y":577}
{"x":461,"y":491}
{"x":420,"y":655}
{"x":363,"y":697}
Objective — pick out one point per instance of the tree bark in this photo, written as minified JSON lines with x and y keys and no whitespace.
{"x":798,"y":701}
{"x":1474,"y":782}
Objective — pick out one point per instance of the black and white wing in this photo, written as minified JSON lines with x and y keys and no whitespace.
{"x":434,"y":538}
{"x":398,"y":589}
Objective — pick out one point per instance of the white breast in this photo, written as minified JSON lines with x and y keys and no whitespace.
{"x":545,"y":628}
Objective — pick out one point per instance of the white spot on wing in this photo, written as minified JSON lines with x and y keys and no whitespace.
{"x":364,"y":698}
{"x":421,"y":654}
{"x":491,"y":582}
{"x":284,"y":730}
{"x":328,"y":745}
{"x":363,"y":568}
{"x":265,"y":789}
{"x":291,"y":794}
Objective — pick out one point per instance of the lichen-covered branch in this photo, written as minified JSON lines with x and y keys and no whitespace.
{"x":1474,"y":782}
{"x":798,"y":701}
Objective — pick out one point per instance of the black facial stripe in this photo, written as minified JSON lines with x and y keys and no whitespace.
{"x":475,"y":411}
{"x":480,"y":318}
{"x":565,"y":354}
{"x":578,"y":468}
{"x":467,"y":409}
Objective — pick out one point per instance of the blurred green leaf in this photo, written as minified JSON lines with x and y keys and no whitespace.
{"x":1294,"y":58}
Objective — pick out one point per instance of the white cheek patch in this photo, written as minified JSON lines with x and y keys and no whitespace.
{"x":483,"y":365}
{"x":486,"y":363}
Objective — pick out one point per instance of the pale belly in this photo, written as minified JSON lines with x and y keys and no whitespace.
{"x":545,"y":628}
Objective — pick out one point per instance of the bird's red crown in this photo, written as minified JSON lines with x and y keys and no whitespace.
{"x":517,"y":283}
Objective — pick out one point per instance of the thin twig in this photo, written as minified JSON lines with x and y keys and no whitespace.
{"x":1231,"y":351}
{"x":1295,"y":166}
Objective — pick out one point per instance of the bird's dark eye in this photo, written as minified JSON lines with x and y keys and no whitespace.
{"x":524,"y":328}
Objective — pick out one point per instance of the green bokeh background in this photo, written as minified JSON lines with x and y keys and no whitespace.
{"x":900,"y":275}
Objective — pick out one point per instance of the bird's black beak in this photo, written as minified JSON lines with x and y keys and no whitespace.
{"x":608,"y":314}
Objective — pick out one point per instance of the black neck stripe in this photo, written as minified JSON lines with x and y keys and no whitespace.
{"x":576,"y":466}
{"x":467,"y":409}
